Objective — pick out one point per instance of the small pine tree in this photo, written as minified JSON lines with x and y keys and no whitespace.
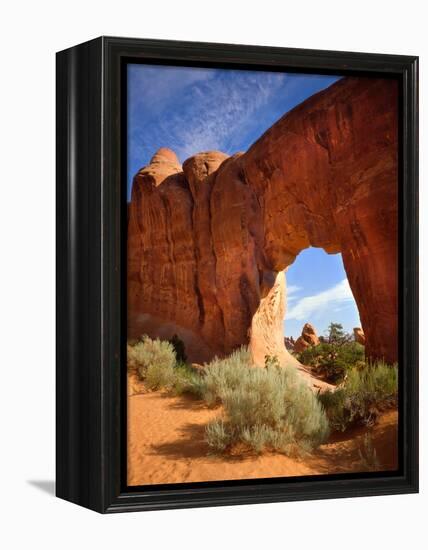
{"x":336,"y":335}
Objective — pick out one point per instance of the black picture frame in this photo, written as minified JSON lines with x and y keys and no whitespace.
{"x":91,"y":224}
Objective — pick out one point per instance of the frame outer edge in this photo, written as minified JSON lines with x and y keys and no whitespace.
{"x":88,"y":275}
{"x":78,"y":275}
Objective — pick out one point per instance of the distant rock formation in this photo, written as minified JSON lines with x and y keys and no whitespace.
{"x":359,"y":336}
{"x":308,"y":338}
{"x":209,"y":241}
{"x":289,"y":343}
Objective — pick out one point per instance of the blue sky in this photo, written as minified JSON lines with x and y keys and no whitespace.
{"x":196,"y":109}
{"x":318,"y":292}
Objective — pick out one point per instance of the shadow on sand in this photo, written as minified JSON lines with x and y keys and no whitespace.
{"x":190,"y":445}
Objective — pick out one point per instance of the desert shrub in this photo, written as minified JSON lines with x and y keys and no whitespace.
{"x":364,"y":394}
{"x":187,"y":380}
{"x":332,"y":361}
{"x":368,"y":454}
{"x":159,"y":376}
{"x":179,"y":348}
{"x":154,"y":361}
{"x":334,"y":355}
{"x":154,"y":354}
{"x":269,"y":408}
{"x":217,"y":435}
{"x":271,"y":361}
{"x":178,"y":380}
{"x":222,"y":375}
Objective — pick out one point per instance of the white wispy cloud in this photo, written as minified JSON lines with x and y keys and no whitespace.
{"x":193,"y":110}
{"x":223,"y":107}
{"x":292,"y":292}
{"x":293,"y":289}
{"x":334,"y":298}
{"x":197,"y":109}
{"x":152,"y":89}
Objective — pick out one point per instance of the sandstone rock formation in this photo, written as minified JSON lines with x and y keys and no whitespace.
{"x":359,"y":336}
{"x":209,"y":242}
{"x":307,"y":339}
{"x":289,"y":343}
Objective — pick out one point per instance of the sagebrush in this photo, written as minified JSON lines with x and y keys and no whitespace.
{"x":148,"y":352}
{"x":187,"y":380}
{"x":269,"y":408}
{"x":263,"y":409}
{"x":155,"y":362}
{"x":223,"y":375}
{"x":363,"y":396}
{"x":368,"y":454}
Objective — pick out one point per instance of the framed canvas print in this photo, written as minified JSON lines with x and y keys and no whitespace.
{"x":237,"y":289}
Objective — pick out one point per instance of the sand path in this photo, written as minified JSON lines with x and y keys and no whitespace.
{"x":166,"y":445}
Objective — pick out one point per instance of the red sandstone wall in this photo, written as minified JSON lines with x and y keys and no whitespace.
{"x":206,"y":241}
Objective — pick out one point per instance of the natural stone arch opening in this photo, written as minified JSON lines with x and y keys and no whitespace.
{"x":318,"y":292}
{"x":208,"y":240}
{"x":275,"y":308}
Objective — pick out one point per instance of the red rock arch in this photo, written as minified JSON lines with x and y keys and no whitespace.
{"x":208,"y":240}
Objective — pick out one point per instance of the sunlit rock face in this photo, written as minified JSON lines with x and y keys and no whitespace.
{"x":307,"y":339}
{"x":208,"y":240}
{"x":359,"y":336}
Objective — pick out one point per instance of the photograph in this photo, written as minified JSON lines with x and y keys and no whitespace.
{"x":262,"y":274}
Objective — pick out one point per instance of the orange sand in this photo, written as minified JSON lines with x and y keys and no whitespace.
{"x":166,"y":445}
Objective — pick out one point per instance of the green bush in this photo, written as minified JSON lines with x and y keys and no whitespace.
{"x":271,"y":361}
{"x":154,"y":361}
{"x":223,"y":375}
{"x":147,"y":353}
{"x":364,"y":394}
{"x":159,"y":376}
{"x":187,"y":380}
{"x":269,"y":408}
{"x":217,"y":435}
{"x":368,"y":454}
{"x":332,"y":361}
{"x":178,"y":380}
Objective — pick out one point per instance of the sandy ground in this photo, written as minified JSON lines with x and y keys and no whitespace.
{"x":166,"y":445}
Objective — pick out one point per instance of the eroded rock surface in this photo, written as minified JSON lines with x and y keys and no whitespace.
{"x":359,"y":336}
{"x":208,"y":241}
